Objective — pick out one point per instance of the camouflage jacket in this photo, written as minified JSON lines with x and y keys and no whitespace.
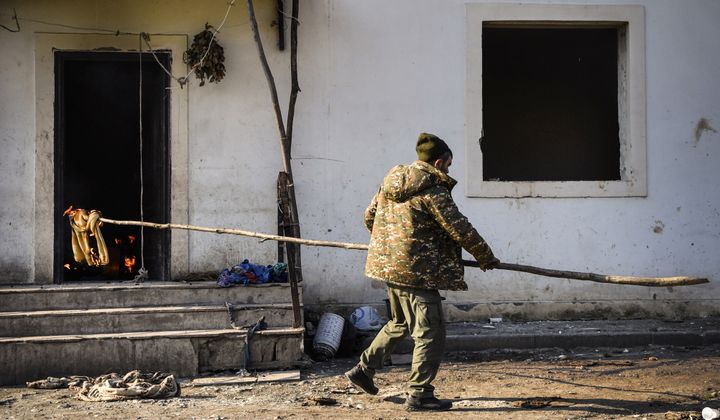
{"x":417,"y":231}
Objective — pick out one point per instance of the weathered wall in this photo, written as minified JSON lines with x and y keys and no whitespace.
{"x":373,"y":75}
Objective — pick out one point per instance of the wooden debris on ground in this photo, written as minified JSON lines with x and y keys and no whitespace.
{"x":537,"y":402}
{"x":273,"y":376}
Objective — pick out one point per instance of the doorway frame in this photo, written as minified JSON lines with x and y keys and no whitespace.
{"x":62,"y":58}
{"x":45,"y":218}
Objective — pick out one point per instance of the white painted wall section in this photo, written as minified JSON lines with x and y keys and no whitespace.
{"x":373,"y":75}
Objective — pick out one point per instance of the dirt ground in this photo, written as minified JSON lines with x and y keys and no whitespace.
{"x":635,"y":383}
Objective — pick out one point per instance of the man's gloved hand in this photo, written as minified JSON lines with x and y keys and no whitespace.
{"x":489,"y":265}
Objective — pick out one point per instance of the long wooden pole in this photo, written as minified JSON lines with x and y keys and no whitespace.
{"x":263,"y":236}
{"x":599,"y":278}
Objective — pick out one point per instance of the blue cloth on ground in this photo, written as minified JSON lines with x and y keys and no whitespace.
{"x":247,"y":273}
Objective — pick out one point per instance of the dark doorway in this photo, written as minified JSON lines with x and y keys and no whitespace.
{"x":97,"y":158}
{"x":550,"y":104}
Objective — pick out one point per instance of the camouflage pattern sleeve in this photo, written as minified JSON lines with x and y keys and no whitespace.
{"x":446,"y":213}
{"x":370,"y":212}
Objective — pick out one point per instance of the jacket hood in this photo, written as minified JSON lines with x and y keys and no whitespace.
{"x":405,"y":181}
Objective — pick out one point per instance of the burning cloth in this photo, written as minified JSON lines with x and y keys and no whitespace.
{"x":84,"y":225}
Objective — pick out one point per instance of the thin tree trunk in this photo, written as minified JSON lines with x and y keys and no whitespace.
{"x":289,"y":188}
{"x":284,"y":139}
{"x":295,"y":88}
{"x":284,"y":147}
{"x":290,"y":225}
{"x":292,"y":250}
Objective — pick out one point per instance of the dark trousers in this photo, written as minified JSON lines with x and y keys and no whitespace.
{"x":417,"y":312}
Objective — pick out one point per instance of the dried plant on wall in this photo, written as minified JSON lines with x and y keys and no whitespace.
{"x":206,"y":56}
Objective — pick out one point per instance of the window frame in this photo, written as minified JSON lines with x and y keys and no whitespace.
{"x":631,"y":97}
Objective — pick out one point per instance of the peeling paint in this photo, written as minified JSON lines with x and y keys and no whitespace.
{"x":659,"y":227}
{"x":465,"y":307}
{"x":702,"y":126}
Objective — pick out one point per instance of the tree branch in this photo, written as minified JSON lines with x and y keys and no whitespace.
{"x":284,"y":147}
{"x":293,"y":72}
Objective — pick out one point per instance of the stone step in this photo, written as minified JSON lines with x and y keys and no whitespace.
{"x":158,"y":318}
{"x":120,"y":295}
{"x":183,"y":353}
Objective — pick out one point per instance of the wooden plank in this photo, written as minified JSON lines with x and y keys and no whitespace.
{"x":275,"y":376}
{"x":145,"y":335}
{"x":292,"y":250}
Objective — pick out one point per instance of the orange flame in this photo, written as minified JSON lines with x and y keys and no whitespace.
{"x":130,"y":263}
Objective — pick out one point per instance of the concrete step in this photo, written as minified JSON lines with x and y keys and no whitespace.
{"x":158,"y":318}
{"x":183,"y":353}
{"x":120,"y":295}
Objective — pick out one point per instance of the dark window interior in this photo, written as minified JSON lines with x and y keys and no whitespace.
{"x":97,"y":158}
{"x":550,"y":110}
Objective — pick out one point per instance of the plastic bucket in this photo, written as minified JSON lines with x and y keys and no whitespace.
{"x":328,"y":335}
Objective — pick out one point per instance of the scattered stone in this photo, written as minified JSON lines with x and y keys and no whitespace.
{"x":620,"y":363}
{"x":348,"y":390}
{"x":682,"y":415}
{"x":535,"y":402}
{"x":389,"y":396}
{"x":322,"y":401}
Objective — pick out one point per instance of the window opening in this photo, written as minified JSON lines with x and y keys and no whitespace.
{"x":550,"y":104}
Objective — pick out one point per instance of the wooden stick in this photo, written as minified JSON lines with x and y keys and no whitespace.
{"x":265,"y":236}
{"x":600,"y":278}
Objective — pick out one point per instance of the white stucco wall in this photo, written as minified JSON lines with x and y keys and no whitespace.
{"x":373,"y":75}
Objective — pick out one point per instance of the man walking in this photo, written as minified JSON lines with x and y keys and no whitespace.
{"x":417,"y":233}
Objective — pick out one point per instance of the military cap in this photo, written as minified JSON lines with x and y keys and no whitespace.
{"x":430,"y":147}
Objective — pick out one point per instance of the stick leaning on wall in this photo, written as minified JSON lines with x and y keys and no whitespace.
{"x":600,"y":278}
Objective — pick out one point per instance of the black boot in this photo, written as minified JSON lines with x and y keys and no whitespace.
{"x":360,"y":379}
{"x":427,"y":404}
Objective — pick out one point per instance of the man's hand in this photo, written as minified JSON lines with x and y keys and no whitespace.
{"x":489,"y":265}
